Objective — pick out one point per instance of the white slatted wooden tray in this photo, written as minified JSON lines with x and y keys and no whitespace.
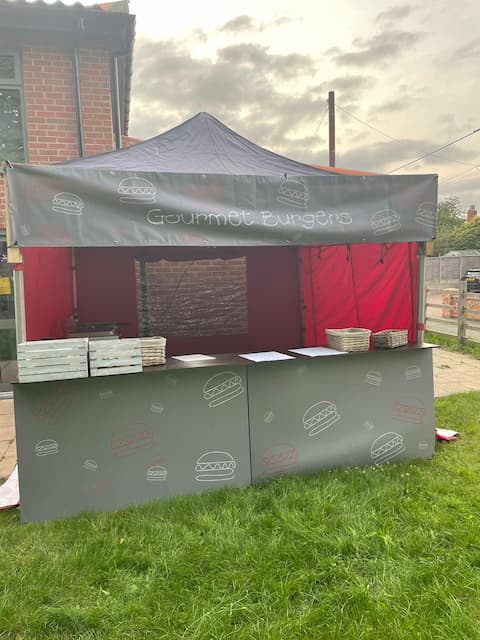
{"x":44,"y":360}
{"x":114,"y":357}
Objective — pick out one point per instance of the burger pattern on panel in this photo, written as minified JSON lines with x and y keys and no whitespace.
{"x":386,"y":447}
{"x":156,"y":473}
{"x":68,"y":204}
{"x":215,"y":466}
{"x":90,"y":465}
{"x":413,"y":372}
{"x":408,"y":409}
{"x":46,"y":447}
{"x":293,"y":193}
{"x":385,"y":221}
{"x":134,"y":190}
{"x":320,"y":416}
{"x":279,"y":458}
{"x":222,"y":387}
{"x":426,"y":214}
{"x":374,"y":378}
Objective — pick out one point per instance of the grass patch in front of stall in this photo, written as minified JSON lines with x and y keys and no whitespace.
{"x":449,"y":343}
{"x":369,"y":553}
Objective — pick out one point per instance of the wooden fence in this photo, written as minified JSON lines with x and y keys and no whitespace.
{"x":450,"y":310}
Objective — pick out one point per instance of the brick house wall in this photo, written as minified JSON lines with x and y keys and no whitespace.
{"x":49,"y":107}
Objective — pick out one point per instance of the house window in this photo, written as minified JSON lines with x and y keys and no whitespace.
{"x":12,"y":130}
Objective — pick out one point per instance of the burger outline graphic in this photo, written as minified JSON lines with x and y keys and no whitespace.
{"x":293,"y":192}
{"x":132,"y":442}
{"x":215,"y":466}
{"x":90,"y":465}
{"x":413,"y":372}
{"x":106,"y":395}
{"x":278,"y":458}
{"x":426,"y":214}
{"x":135,"y":190}
{"x":408,"y":409}
{"x":47,"y":447}
{"x":156,"y":473}
{"x":157,"y":407}
{"x":373,"y":378}
{"x":222,"y":387}
{"x":68,"y":203}
{"x":385,"y":221}
{"x":387,"y":446}
{"x":320,"y":417}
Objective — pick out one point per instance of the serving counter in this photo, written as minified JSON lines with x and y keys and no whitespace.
{"x":102,"y":443}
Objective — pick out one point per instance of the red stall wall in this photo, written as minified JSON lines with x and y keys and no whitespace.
{"x":106,"y":287}
{"x":371,"y":286}
{"x":48,"y":289}
{"x":107,"y":292}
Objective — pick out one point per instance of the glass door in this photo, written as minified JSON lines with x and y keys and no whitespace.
{"x":8,"y":342}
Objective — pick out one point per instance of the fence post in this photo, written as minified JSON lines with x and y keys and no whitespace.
{"x":462,"y":303}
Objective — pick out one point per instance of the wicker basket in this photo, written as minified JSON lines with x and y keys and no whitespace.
{"x":153,"y":351}
{"x":390,"y":338}
{"x":352,"y":339}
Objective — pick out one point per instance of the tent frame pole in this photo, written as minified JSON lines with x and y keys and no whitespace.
{"x":421,"y":292}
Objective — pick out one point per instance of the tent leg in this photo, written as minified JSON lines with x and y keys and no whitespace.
{"x":421,"y":292}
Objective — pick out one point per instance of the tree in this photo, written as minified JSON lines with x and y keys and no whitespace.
{"x":450,"y":218}
{"x":468,"y":235}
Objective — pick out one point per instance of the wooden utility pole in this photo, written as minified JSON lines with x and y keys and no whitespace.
{"x":331,"y":128}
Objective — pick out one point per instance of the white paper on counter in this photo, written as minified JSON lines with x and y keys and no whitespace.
{"x":266,"y":356}
{"x":193,"y":357}
{"x":317,"y":351}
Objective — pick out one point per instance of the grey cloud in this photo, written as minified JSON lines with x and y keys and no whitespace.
{"x":392,"y":106}
{"x":470,"y":50}
{"x":346,"y":83}
{"x":258,"y":59}
{"x":395,"y":13}
{"x":242,"y":87}
{"x":378,"y":49}
{"x":245,"y":22}
{"x":240,"y":23}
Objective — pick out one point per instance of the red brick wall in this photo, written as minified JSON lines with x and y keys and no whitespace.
{"x":195,"y":298}
{"x":50,"y":118}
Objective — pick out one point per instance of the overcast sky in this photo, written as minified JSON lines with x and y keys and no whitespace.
{"x":265,"y":67}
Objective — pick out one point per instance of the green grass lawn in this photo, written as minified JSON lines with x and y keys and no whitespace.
{"x":451,"y":344}
{"x":372,"y":553}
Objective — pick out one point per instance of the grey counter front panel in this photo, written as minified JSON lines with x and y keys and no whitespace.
{"x":103,"y":443}
{"x":317,"y":413}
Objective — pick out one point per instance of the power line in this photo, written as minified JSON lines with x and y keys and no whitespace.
{"x":404,"y":144}
{"x":430,"y":153}
{"x":370,"y":126}
{"x":474,"y":167}
{"x":322,"y":118}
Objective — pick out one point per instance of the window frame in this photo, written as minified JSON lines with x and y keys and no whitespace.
{"x":17,"y":78}
{"x":17,"y":83}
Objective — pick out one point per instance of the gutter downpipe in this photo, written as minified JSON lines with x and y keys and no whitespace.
{"x":115,"y":92}
{"x":81,"y":150}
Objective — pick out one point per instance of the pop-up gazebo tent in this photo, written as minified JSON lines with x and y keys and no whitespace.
{"x":300,"y":250}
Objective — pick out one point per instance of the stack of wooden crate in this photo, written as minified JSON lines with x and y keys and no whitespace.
{"x":153,"y":351}
{"x":113,"y":357}
{"x":45,"y":360}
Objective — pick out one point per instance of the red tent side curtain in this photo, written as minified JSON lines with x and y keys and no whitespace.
{"x":373,"y":286}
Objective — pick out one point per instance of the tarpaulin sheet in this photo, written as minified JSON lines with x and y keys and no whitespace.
{"x":369,"y":286}
{"x":202,"y":184}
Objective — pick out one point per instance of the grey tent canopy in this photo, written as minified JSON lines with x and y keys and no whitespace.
{"x":201,"y":144}
{"x":202,"y":184}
